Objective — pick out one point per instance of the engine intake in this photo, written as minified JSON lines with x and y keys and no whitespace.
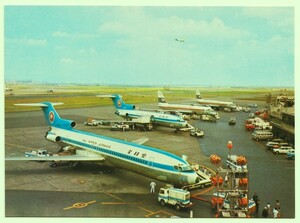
{"x":53,"y":138}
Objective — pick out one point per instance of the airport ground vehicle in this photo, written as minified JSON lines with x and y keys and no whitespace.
{"x":262,"y":135}
{"x":282,"y":150}
{"x":120,"y":126}
{"x":174,"y":196}
{"x":232,"y":163}
{"x":251,"y":115}
{"x":197,"y":133}
{"x":208,"y":118}
{"x":40,"y":153}
{"x":290,"y":155}
{"x":232,"y":121}
{"x":274,"y":142}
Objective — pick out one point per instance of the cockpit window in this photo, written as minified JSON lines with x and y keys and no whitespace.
{"x":183,"y":168}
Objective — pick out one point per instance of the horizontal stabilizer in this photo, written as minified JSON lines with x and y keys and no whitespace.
{"x":106,"y":96}
{"x":39,"y":104}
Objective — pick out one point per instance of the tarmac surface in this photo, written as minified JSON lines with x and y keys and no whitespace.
{"x":33,"y":189}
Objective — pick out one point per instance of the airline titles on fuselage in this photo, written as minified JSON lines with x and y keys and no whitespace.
{"x":96,"y":143}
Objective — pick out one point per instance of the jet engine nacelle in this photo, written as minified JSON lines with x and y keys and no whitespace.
{"x":67,"y":124}
{"x":53,"y":138}
{"x":128,"y":107}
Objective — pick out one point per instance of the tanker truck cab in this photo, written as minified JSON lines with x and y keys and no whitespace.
{"x":174,"y":196}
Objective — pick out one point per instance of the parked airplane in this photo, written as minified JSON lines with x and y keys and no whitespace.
{"x":143,"y":160}
{"x":214,"y":103}
{"x":185,"y":109}
{"x":129,"y":112}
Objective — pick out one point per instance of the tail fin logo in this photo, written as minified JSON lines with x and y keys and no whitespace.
{"x":119,"y":103}
{"x":51,"y":117}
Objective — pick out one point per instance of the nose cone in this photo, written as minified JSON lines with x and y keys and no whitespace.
{"x":194,"y":179}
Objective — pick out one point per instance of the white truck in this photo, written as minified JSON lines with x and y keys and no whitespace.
{"x":40,"y":152}
{"x":174,"y":196}
{"x":120,"y":126}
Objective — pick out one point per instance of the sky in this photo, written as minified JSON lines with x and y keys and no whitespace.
{"x":136,"y":45}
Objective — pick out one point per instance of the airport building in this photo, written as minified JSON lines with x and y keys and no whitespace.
{"x":283,"y":122}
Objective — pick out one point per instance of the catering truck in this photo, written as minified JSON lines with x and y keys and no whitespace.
{"x":174,"y":196}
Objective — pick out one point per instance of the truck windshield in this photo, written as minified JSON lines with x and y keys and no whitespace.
{"x":183,"y":168}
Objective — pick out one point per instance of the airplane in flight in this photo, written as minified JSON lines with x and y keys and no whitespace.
{"x":179,"y":40}
{"x":130,"y":113}
{"x":214,"y":103}
{"x":144,"y":160}
{"x":185,"y":109}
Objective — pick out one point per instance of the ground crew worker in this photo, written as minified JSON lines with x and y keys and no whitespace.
{"x":256,"y":200}
{"x":265,"y":213}
{"x":275,"y":213}
{"x":269,"y":208}
{"x":226,"y":180}
{"x":277,"y":205}
{"x":152,"y":187}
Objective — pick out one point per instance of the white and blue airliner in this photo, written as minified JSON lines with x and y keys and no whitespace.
{"x":129,"y":112}
{"x":144,"y":160}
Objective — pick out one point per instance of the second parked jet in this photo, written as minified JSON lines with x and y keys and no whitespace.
{"x":130,"y":113}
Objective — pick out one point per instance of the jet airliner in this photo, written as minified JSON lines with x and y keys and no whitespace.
{"x":129,"y":112}
{"x":185,"y":109}
{"x":141,"y":159}
{"x":214,"y":103}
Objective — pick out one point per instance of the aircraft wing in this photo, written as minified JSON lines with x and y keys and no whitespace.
{"x":75,"y":157}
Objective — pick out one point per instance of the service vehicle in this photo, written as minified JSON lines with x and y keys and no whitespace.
{"x":221,"y":200}
{"x":208,"y":118}
{"x":232,"y":121}
{"x":174,"y":196}
{"x":279,"y":145}
{"x":232,"y":163}
{"x":39,"y":152}
{"x":283,"y":150}
{"x":290,"y":155}
{"x":252,"y":105}
{"x":120,"y":126}
{"x":60,"y":163}
{"x":251,"y":115}
{"x":196,"y":133}
{"x":274,"y":143}
{"x":262,"y":135}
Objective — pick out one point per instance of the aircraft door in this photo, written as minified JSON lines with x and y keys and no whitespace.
{"x":150,"y":162}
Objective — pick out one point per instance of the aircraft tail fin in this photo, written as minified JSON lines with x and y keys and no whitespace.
{"x":118,"y":101}
{"x":52,"y":117}
{"x":198,"y":94}
{"x":161,"y":98}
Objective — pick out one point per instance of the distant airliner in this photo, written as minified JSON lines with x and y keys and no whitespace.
{"x":214,"y":103}
{"x":144,"y":160}
{"x":179,"y":40}
{"x":185,"y":109}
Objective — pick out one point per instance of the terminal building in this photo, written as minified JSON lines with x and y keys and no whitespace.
{"x":282,"y":118}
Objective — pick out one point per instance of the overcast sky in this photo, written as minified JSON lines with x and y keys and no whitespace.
{"x":223,"y":46}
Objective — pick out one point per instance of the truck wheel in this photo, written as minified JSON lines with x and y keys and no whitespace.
{"x":162,"y":202}
{"x":177,"y":207}
{"x":53,"y":165}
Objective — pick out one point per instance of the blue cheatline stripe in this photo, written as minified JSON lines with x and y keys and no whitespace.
{"x":171,"y":155}
{"x":158,"y":119}
{"x":123,"y":156}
